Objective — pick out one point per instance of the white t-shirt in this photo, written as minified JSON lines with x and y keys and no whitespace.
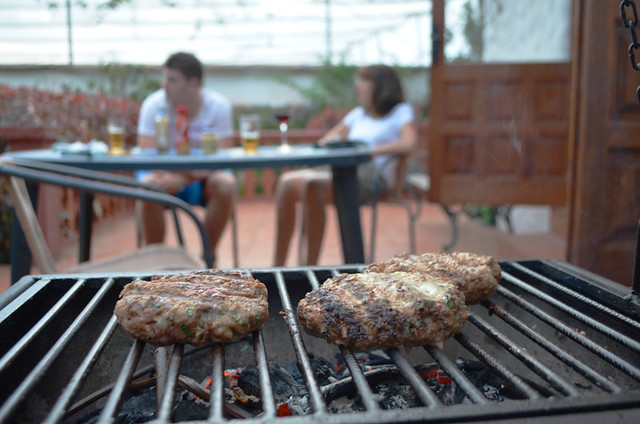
{"x":214,"y":116}
{"x":378,"y":131}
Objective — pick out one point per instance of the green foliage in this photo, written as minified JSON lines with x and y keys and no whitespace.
{"x":485,"y":214}
{"x":332,"y":86}
{"x":128,"y":81}
{"x":473,"y":28}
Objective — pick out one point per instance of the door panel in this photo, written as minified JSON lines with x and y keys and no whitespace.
{"x":550,"y":134}
{"x":499,"y":133}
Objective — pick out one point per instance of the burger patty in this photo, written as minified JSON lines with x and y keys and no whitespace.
{"x":383,"y":310}
{"x":195,"y":308}
{"x":477,"y":276}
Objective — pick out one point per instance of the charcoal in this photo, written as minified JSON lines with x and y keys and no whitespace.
{"x":140,"y":407}
{"x":322,"y":368}
{"x":397,"y":396}
{"x":482,"y":377}
{"x":283,"y":384}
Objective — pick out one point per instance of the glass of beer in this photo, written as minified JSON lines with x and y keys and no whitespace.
{"x":116,"y":129}
{"x":250,"y":133}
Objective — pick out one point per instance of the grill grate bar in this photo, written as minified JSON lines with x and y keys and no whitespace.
{"x":266,"y":391}
{"x":313,"y":279}
{"x":497,"y":367}
{"x":559,"y":353}
{"x":584,"y":299}
{"x":426,"y":396}
{"x":120,"y":386}
{"x":164,"y":414}
{"x":317,"y":400}
{"x":597,"y":325}
{"x":38,"y":371}
{"x":533,"y":364}
{"x":572,"y":334}
{"x":161,"y":364}
{"x":367,"y":395}
{"x":15,"y":352}
{"x":8,"y":307}
{"x":58,"y":411}
{"x":454,"y":373}
{"x":216,"y":399}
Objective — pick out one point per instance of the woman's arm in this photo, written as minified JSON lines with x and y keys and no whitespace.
{"x":339,"y":131}
{"x":405,"y":144}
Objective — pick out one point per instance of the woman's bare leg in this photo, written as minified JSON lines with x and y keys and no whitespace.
{"x":288,"y":193}
{"x":317,"y":193}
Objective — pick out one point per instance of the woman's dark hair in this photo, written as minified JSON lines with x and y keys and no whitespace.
{"x":186,"y":63}
{"x":387,"y":90}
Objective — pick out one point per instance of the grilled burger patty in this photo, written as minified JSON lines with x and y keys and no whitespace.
{"x":477,"y":276}
{"x":383,"y":310}
{"x":195,"y":308}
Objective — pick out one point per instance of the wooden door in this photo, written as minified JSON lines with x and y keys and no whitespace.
{"x":499,"y":133}
{"x":605,"y":194}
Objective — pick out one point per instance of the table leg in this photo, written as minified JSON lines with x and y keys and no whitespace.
{"x":85,"y":226}
{"x":345,"y":189}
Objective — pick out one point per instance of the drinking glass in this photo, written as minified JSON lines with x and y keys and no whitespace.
{"x":250,"y":133}
{"x":283,"y":120}
{"x":116,"y":129}
{"x":209,"y":143}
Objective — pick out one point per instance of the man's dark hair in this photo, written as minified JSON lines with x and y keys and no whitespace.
{"x":387,"y":90}
{"x":186,"y":63}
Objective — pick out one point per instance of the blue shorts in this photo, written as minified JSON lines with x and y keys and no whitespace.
{"x":191,"y":193}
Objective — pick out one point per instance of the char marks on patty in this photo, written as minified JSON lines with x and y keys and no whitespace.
{"x":383,"y":310}
{"x":196,"y":308}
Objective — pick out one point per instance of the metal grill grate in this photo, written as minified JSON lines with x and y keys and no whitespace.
{"x":564,"y":341}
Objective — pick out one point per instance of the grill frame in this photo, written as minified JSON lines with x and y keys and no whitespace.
{"x":591,"y":295}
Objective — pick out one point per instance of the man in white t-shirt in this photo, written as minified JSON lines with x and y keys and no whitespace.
{"x":207,"y":111}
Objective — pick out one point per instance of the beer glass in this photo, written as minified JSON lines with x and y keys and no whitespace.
{"x":250,"y":133}
{"x":116,"y":129}
{"x":202,"y":139}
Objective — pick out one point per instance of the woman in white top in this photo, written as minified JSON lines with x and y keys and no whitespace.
{"x":385,"y":122}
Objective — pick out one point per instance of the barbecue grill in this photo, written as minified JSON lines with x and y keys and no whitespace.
{"x":564,"y":341}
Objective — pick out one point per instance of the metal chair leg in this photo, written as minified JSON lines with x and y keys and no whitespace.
{"x":372,"y":239}
{"x":453,"y":221}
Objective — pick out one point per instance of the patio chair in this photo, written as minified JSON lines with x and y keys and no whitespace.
{"x":418,"y":181}
{"x":402,"y":194}
{"x":17,"y":173}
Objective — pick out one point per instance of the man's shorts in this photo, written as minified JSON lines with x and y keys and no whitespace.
{"x":192,"y":193}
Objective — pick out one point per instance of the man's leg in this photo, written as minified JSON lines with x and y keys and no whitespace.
{"x":218,"y":191}
{"x":150,"y":216}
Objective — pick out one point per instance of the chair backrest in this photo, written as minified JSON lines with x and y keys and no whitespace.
{"x":30,"y":226}
{"x":397,"y":191}
{"x":17,"y":173}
